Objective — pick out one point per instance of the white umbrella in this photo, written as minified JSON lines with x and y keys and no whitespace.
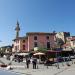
{"x":24,"y":54}
{"x":39,"y":53}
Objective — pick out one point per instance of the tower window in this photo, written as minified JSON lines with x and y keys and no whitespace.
{"x":35,"y":37}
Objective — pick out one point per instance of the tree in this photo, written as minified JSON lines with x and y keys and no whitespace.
{"x":41,"y":49}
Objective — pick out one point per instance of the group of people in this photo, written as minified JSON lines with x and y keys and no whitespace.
{"x":33,"y":61}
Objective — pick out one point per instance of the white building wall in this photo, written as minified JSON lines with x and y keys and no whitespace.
{"x":16,"y":44}
{"x":60,"y":35}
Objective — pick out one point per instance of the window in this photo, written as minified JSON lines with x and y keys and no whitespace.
{"x":23,"y":41}
{"x":35,"y":44}
{"x":48,"y":45}
{"x":23,"y":47}
{"x":15,"y":47}
{"x":47,"y":37}
{"x":17,"y":41}
{"x":35,"y":37}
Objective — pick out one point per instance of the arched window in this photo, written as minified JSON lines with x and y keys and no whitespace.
{"x":23,"y":47}
{"x":35,"y":37}
{"x":48,"y":45}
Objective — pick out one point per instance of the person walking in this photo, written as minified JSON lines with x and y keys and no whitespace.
{"x":27,"y":62}
{"x":34,"y":63}
{"x":47,"y":62}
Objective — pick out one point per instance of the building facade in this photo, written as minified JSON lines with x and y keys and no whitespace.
{"x":71,"y":41}
{"x":20,"y":44}
{"x":40,"y":40}
{"x":6,"y":49}
{"x":34,"y":40}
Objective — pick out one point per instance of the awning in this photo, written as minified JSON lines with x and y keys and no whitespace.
{"x":24,"y":54}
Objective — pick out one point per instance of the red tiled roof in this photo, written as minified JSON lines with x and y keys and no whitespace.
{"x":68,"y":44}
{"x":20,"y":38}
{"x":72,"y":38}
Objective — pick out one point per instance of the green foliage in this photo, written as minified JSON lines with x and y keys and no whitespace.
{"x":42,"y":49}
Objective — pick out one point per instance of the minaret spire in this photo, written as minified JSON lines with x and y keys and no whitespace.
{"x":17,"y":29}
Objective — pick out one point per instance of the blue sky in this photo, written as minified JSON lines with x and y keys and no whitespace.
{"x":35,"y":16}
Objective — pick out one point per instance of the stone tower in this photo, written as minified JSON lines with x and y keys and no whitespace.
{"x":17,"y":29}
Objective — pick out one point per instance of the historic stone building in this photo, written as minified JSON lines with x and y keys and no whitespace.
{"x":36,"y":40}
{"x":33,"y":40}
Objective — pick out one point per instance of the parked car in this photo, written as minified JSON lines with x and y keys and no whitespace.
{"x":72,"y":57}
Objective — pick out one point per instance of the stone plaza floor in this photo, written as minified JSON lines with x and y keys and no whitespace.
{"x":20,"y":68}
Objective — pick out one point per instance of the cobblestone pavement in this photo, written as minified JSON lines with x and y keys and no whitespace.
{"x":20,"y":68}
